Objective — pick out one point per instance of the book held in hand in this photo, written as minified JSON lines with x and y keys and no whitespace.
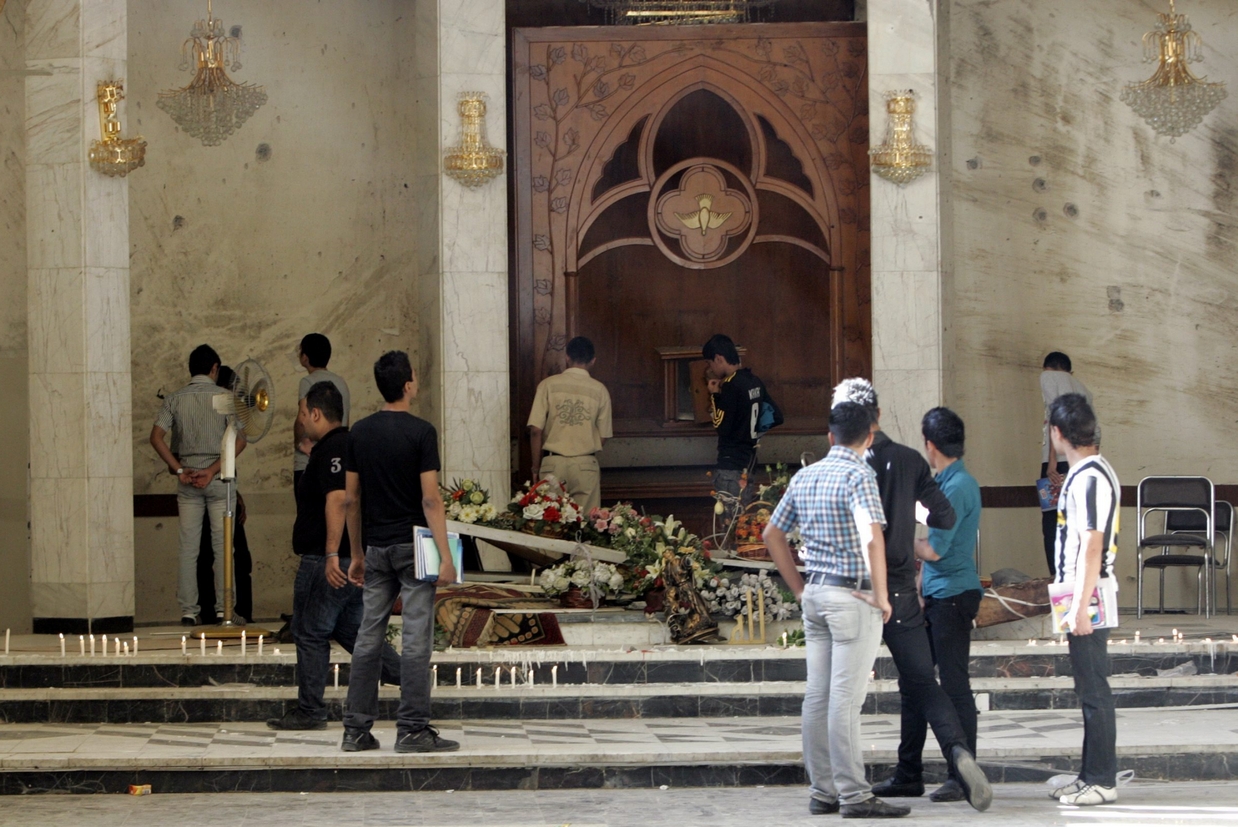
{"x":1048,"y":494}
{"x":1102,"y":605}
{"x":427,"y":558}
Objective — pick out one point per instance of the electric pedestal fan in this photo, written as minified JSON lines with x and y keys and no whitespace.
{"x":247,"y":405}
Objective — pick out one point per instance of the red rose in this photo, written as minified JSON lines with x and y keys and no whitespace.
{"x":457,"y":495}
{"x":551,"y":514}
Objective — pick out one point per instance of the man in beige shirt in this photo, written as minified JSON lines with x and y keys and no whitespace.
{"x":569,"y":423}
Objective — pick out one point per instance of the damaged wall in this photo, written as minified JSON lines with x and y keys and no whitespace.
{"x":1076,"y":228}
{"x":301,"y":221}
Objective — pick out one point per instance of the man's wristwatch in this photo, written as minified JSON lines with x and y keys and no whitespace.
{"x":178,"y":472}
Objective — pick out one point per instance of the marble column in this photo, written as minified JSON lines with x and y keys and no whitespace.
{"x":908,"y":270}
{"x":81,"y":464}
{"x":463,"y":264}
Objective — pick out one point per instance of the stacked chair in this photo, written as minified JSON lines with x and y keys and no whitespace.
{"x":1191,"y":521}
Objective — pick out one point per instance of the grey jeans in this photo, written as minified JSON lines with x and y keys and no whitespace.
{"x":389,"y":573}
{"x":842,"y":634}
{"x":194,"y":505}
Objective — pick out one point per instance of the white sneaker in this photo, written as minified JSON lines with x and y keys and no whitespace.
{"x":1070,"y":789}
{"x":1090,"y":796}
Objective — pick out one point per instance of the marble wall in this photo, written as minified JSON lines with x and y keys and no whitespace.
{"x":1076,"y":228}
{"x":14,"y":457}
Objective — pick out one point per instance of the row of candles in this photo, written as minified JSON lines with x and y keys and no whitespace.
{"x":1177,"y":638}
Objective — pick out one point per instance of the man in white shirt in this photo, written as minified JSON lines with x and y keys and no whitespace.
{"x":1055,"y":380}
{"x":1087,"y":544}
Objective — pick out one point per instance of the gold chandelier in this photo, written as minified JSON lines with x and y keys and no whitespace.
{"x":680,"y":12}
{"x":899,"y":158}
{"x":212,"y":106}
{"x":473,"y":161}
{"x":113,"y":155}
{"x":1173,"y":101}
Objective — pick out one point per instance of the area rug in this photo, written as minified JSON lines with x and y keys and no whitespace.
{"x":466,"y":614}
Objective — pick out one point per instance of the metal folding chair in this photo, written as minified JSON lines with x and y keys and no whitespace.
{"x":1183,"y":496}
{"x":1192,"y":521}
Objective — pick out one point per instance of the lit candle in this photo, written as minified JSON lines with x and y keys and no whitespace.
{"x":1137,"y":636}
{"x":784,"y":640}
{"x":260,"y":645}
{"x":116,"y":648}
{"x":275,"y":651}
{"x":62,"y":646}
{"x":1175,"y":634}
{"x":554,"y":675}
{"x":434,"y":675}
{"x":243,"y":643}
{"x":81,"y":645}
{"x":479,"y":677}
{"x":336,"y":670}
{"x":135,"y":645}
{"x":219,"y":648}
{"x":459,"y":676}
{"x":1160,"y":640}
{"x":92,"y":645}
{"x":1031,"y":641}
{"x":184,"y":645}
{"x":498,"y":677}
{"x":513,"y":677}
{"x":126,"y":648}
{"x":531,"y":678}
{"x":105,"y":646}
{"x":202,"y":640}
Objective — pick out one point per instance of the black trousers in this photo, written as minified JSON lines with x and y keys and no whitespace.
{"x":1048,"y":522}
{"x":242,"y":569}
{"x":1089,"y":660}
{"x":907,"y":638}
{"x":949,"y":627}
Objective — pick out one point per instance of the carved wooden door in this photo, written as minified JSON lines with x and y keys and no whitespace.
{"x":671,"y":183}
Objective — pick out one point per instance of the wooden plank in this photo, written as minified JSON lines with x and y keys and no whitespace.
{"x":534,"y":542}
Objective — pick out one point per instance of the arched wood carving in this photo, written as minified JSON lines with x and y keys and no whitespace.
{"x":692,"y":158}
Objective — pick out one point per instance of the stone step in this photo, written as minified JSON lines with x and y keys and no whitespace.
{"x":252,"y":703}
{"x":1169,"y":743}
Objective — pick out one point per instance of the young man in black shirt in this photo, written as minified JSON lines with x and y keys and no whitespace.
{"x":735,"y":401}
{"x":391,"y":486}
{"x":325,"y":605}
{"x":905,"y":479}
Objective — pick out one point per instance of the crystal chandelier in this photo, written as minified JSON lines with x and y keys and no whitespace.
{"x":899,"y":158}
{"x":212,"y":106}
{"x":1173,"y":101}
{"x":473,"y":161}
{"x":679,"y":12}
{"x":113,"y":155}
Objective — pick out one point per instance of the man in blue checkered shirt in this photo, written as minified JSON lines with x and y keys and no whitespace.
{"x":836,"y":506}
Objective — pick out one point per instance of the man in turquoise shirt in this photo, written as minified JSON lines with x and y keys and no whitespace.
{"x":951,"y":590}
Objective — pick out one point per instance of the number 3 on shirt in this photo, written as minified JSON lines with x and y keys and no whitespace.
{"x":336,"y":467}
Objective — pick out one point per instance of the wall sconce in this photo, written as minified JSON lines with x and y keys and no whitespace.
{"x":473,"y":162}
{"x":899,"y":158}
{"x":114,"y":155}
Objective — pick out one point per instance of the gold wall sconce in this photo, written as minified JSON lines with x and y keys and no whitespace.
{"x":1173,"y":101}
{"x":113,"y":155}
{"x":899,"y":158}
{"x":473,"y":161}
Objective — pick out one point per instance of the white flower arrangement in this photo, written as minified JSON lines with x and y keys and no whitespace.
{"x":728,"y":596}
{"x":577,"y":573}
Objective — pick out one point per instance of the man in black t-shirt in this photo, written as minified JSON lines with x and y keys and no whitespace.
{"x":735,"y":405}
{"x":391,"y":486}
{"x":325,"y":606}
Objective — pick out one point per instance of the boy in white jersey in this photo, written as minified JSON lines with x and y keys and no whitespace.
{"x":1087,"y":544}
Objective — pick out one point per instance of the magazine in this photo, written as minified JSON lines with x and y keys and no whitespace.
{"x":1103,"y":606}
{"x":1048,"y":493}
{"x":427,"y":559}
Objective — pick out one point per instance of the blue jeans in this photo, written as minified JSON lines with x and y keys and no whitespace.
{"x":390,"y":573}
{"x":841,"y":634}
{"x":321,"y":614}
{"x":194,"y":505}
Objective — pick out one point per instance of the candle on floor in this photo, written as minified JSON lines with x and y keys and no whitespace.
{"x":1137,"y":636}
{"x":126,"y":648}
{"x":81,"y":645}
{"x":184,"y":645}
{"x":336,"y":671}
{"x":105,"y":646}
{"x":1031,"y":641}
{"x":116,"y":648}
{"x":479,"y":677}
{"x":513,"y":677}
{"x":1160,"y":640}
{"x":498,"y":677}
{"x":202,"y":640}
{"x":459,"y":676}
{"x":135,"y":646}
{"x":784,"y":640}
{"x":434,"y":675}
{"x":554,"y":675}
{"x":92,"y":645}
{"x":243,"y":643}
{"x":219,"y":649}
{"x":530,"y":677}
{"x":260,"y":645}
{"x":275,"y":651}
{"x":62,"y":646}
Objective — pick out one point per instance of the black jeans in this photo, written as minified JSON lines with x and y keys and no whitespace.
{"x":1089,"y":660}
{"x":1048,"y":522}
{"x":907,"y":638}
{"x":321,"y":614}
{"x":242,"y":568}
{"x":949,"y":626}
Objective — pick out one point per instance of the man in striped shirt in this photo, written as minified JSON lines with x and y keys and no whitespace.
{"x":193,"y":458}
{"x":1087,"y":544}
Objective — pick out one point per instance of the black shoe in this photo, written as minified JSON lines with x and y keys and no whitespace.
{"x":358,"y":740}
{"x":817,"y":807}
{"x":952,"y":790}
{"x":874,"y":808}
{"x":897,"y":788}
{"x":424,"y":740}
{"x":189,"y":620}
{"x":972,"y":779}
{"x":296,"y":719}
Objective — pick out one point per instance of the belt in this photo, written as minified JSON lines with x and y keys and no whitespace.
{"x":818,"y":579}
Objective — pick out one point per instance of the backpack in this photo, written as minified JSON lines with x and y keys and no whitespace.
{"x":770,"y":415}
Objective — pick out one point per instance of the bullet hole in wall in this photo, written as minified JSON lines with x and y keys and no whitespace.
{"x":263,"y":153}
{"x":1040,"y":185}
{"x":178,"y":222}
{"x":1071,"y":210}
{"x":1116,"y":304}
{"x":1039,"y":214}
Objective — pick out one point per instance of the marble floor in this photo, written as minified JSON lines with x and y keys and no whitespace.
{"x":1003,"y":734}
{"x":1142,"y":804}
